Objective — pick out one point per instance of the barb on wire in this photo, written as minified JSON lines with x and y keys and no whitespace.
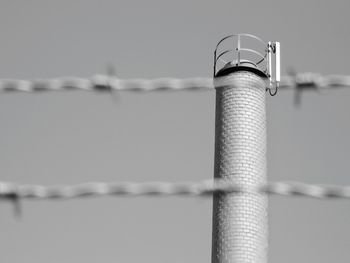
{"x":204,"y":188}
{"x":9,"y":192}
{"x":108,"y":82}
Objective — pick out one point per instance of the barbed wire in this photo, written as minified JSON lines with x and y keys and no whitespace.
{"x":107,"y":83}
{"x":204,"y":188}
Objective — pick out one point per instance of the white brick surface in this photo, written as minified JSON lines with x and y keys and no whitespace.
{"x":240,"y":221}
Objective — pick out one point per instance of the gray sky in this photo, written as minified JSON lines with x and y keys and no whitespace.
{"x":72,"y":137}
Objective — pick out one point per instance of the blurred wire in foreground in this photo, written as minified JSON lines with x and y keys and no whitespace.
{"x":107,"y":83}
{"x":204,"y":188}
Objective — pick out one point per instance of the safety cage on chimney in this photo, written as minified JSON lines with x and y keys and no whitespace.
{"x":264,"y":59}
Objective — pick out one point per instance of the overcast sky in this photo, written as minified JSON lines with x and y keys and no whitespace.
{"x":74,"y":137}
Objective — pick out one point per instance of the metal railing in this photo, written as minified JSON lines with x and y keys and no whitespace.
{"x":261,"y":62}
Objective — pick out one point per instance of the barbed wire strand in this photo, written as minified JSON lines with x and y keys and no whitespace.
{"x":107,"y":83}
{"x":204,"y":188}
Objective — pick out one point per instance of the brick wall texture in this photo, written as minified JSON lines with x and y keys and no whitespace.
{"x":240,"y":221}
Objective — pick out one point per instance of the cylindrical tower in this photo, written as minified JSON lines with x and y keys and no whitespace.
{"x":240,"y":223}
